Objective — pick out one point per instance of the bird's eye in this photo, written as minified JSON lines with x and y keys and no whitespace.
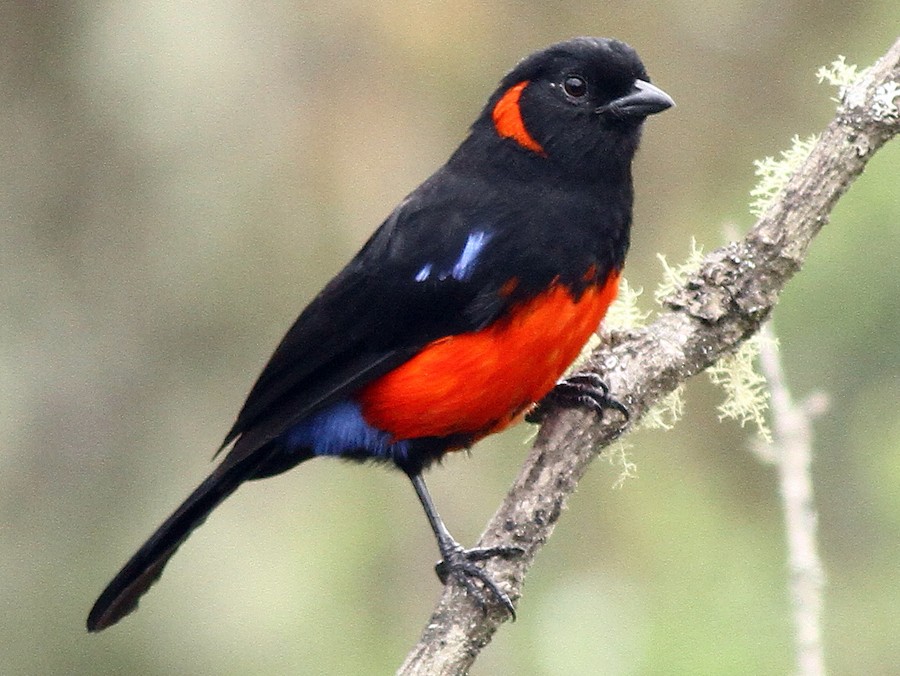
{"x":575,"y":86}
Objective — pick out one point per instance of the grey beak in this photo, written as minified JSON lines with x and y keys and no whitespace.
{"x":643,"y":100}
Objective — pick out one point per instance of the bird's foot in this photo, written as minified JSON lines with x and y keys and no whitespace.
{"x":585,"y":390}
{"x":460,"y":565}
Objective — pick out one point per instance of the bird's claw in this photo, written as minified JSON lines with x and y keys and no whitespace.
{"x":460,"y":564}
{"x":586,"y":390}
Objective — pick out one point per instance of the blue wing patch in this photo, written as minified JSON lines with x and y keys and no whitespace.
{"x":465,"y":264}
{"x":461,"y":270}
{"x":424,"y":273}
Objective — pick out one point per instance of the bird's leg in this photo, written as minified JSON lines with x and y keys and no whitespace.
{"x":586,"y":390}
{"x":460,"y":564}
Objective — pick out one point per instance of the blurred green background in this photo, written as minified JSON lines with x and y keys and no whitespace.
{"x":179,"y":179}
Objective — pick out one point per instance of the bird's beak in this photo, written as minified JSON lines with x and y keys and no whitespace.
{"x":644,"y":99}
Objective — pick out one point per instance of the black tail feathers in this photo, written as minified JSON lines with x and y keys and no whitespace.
{"x":121,"y":596}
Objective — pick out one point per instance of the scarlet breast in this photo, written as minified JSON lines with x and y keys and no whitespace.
{"x":478,"y":383}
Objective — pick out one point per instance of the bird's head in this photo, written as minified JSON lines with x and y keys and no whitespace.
{"x":579,"y":104}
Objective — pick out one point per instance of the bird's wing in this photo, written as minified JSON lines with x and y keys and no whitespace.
{"x":423,"y":275}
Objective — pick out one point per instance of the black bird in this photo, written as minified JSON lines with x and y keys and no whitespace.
{"x":460,"y":313}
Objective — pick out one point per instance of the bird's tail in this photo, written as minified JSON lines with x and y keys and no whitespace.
{"x":143,"y":569}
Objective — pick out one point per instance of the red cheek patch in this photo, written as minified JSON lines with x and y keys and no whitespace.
{"x":508,"y":119}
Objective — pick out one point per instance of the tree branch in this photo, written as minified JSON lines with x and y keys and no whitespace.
{"x":720,"y":306}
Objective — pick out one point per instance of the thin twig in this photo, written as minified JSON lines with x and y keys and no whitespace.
{"x":718,"y":308}
{"x":792,"y":440}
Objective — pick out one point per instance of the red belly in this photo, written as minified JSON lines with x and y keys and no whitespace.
{"x":478,"y":383}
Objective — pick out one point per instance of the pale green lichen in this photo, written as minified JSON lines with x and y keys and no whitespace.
{"x":675,"y":276}
{"x":624,"y":313}
{"x":852,"y":92}
{"x":746,"y":389}
{"x":746,"y":394}
{"x":839,"y":74}
{"x":619,"y":456}
{"x":774,"y":173}
{"x":670,"y":408}
{"x":666,"y":412}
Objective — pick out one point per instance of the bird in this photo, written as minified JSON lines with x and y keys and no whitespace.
{"x":462,"y":312}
